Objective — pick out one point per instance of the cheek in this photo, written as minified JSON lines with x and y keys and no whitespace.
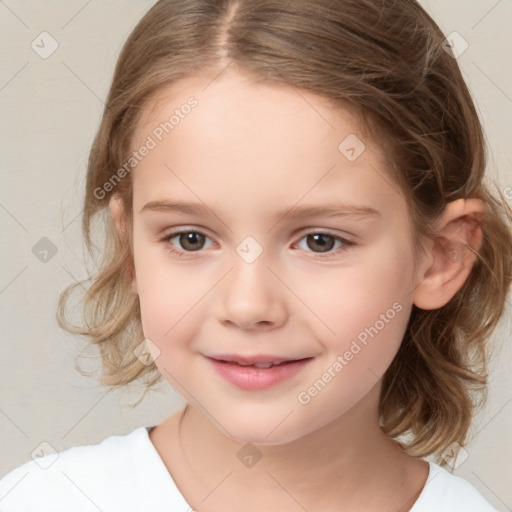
{"x":364,"y":315}
{"x":362,"y":308}
{"x":169,"y":305}
{"x":169,"y":295}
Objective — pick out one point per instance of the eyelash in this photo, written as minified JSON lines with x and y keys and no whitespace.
{"x":347,"y":243}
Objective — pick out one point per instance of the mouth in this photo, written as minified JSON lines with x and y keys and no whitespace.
{"x":258,"y":361}
{"x":257,"y":372}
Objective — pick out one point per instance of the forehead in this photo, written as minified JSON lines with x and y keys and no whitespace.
{"x":235,"y":87}
{"x":245,"y":142}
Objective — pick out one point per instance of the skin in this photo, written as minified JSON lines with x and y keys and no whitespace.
{"x":247,"y":151}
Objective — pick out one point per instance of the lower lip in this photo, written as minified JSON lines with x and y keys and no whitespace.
{"x":251,"y":378}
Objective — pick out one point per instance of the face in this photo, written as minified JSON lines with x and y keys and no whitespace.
{"x":240,"y":274}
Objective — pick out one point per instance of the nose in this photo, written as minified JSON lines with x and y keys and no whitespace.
{"x":252,"y":297}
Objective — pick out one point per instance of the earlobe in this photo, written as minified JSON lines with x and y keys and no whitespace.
{"x":135,"y":289}
{"x":450,"y":259}
{"x":116,"y":211}
{"x":115,"y":205}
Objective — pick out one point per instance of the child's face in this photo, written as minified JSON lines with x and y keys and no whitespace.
{"x":246,"y":153}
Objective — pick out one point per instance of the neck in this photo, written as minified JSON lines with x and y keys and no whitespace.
{"x":350,"y":458}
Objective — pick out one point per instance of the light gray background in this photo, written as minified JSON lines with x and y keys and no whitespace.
{"x":49,"y":112}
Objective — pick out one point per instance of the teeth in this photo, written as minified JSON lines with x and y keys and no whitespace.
{"x":257,"y":365}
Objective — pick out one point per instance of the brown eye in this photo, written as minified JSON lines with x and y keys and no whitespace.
{"x":188,"y":242}
{"x":320,"y":241}
{"x":323,"y":244}
{"x":191,"y":241}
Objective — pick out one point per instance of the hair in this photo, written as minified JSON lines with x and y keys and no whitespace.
{"x":383,"y":59}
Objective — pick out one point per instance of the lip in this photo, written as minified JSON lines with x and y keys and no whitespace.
{"x":250,"y":378}
{"x":255,"y":359}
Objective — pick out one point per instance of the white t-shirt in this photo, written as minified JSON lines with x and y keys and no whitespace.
{"x":125,"y":473}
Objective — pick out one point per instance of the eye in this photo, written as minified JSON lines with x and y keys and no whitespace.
{"x":193,"y":241}
{"x":190,"y":241}
{"x":324,"y":242}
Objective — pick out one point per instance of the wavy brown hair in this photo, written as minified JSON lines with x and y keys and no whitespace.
{"x":386,"y":61}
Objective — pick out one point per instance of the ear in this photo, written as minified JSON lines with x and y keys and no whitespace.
{"x":116,"y":207}
{"x":449,"y":261}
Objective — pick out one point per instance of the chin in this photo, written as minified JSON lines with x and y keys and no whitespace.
{"x":268,"y":431}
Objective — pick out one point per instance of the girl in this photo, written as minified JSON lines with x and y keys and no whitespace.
{"x":329,"y":328}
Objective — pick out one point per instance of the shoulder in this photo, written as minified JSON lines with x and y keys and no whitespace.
{"x":81,"y":478}
{"x":444,"y":492}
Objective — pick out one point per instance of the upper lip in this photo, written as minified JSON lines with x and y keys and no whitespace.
{"x":255,"y":359}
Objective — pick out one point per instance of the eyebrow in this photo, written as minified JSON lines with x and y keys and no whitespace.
{"x":299,"y":212}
